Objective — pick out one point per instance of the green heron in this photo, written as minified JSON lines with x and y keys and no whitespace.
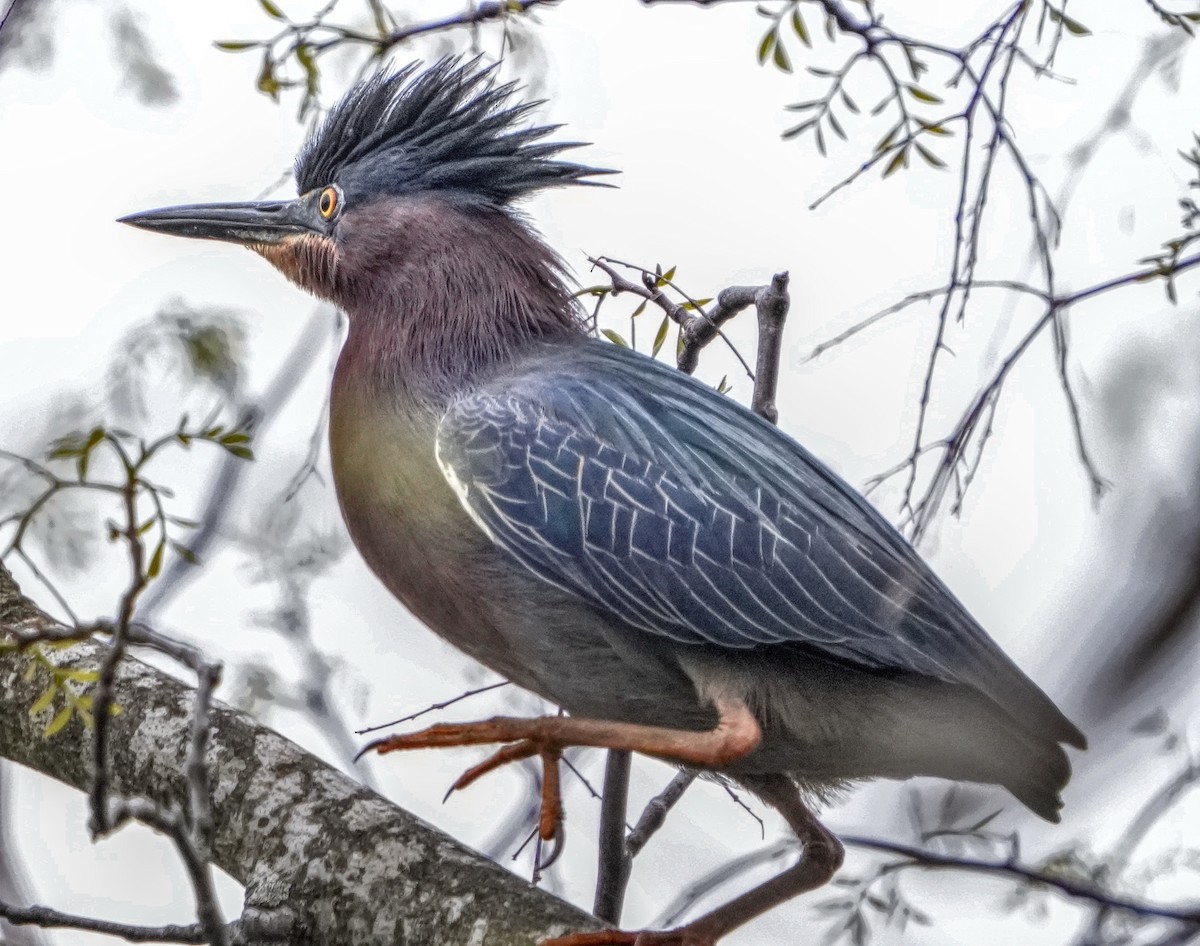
{"x":684,"y":579}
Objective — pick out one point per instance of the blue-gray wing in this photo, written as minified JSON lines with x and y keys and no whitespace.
{"x":681,"y":514}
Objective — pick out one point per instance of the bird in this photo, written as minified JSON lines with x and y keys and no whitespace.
{"x":680,"y":576}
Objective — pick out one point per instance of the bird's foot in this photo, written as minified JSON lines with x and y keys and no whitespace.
{"x":550,"y":821}
{"x":737,"y":733}
{"x":694,"y":934}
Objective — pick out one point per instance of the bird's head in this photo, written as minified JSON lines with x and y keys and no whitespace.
{"x":395,"y":153}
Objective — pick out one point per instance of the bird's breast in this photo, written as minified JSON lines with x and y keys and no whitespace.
{"x":411,"y":529}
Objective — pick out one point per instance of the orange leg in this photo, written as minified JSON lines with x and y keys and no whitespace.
{"x":820,"y":861}
{"x":737,"y":733}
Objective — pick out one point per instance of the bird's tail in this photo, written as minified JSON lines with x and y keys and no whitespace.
{"x":1035,"y":770}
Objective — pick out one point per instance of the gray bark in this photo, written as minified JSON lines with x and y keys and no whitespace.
{"x":323,"y":859}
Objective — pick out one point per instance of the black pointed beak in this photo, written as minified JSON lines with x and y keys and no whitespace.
{"x":253,"y":222}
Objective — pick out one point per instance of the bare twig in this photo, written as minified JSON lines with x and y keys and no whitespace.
{"x":918,"y":857}
{"x":655,"y":813}
{"x":48,"y":918}
{"x":433,"y":708}
{"x":473,"y":16}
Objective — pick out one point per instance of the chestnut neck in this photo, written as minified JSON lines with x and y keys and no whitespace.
{"x":439,"y":294}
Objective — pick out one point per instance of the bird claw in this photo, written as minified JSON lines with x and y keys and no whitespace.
{"x":560,"y":842}
{"x":550,"y":821}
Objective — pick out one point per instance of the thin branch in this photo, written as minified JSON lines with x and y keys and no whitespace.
{"x":433,"y":708}
{"x":48,"y":918}
{"x":473,"y":16}
{"x":655,"y":813}
{"x":1008,"y":868}
{"x":614,"y":863}
{"x":771,"y":303}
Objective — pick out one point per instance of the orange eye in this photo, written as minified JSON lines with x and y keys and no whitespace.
{"x":328,"y":202}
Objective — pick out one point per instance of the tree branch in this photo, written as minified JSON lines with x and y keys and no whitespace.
{"x":322,"y":858}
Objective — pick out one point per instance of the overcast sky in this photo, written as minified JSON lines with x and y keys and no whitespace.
{"x":671,"y":96}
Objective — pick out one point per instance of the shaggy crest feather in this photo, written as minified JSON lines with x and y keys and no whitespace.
{"x":449,"y":128}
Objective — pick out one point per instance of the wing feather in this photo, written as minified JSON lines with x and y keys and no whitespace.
{"x":682,"y":514}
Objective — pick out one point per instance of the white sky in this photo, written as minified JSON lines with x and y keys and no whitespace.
{"x":672,"y":96}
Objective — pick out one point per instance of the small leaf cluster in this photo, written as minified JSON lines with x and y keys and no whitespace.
{"x":301,"y":42}
{"x":655,"y":280}
{"x":130,"y":483}
{"x":1182,"y":21}
{"x":821,"y":114}
{"x":1166,"y":264}
{"x":875,"y":898}
{"x":66,"y":685}
{"x":862,"y":902}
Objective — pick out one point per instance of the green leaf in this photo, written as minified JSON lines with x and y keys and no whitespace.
{"x":61,"y":718}
{"x":661,"y":335}
{"x":799,"y":28}
{"x":1070,"y":25}
{"x":1074,"y":27}
{"x":185,"y":553}
{"x":267,"y":83}
{"x":239,"y":451}
{"x":639,"y":310}
{"x":770,"y":38}
{"x":898,"y":159}
{"x":836,"y":126}
{"x":930,"y":158}
{"x":667,"y":276}
{"x":782,"y":62}
{"x":922,"y":96}
{"x":80,"y":676}
{"x":799,"y":129}
{"x":43,"y":702}
{"x":888,"y":140}
{"x":271,"y":10}
{"x":156,"y":560}
{"x":614,"y":337}
{"x":234,"y":46}
{"x":312,"y":77}
{"x":236,"y":436}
